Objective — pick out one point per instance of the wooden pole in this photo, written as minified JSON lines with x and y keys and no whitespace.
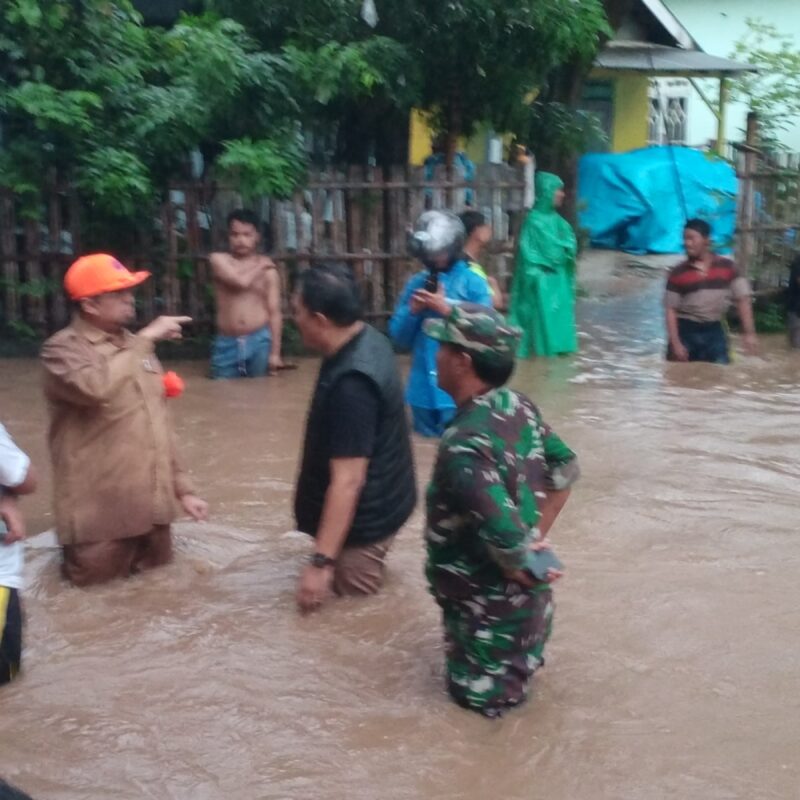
{"x":721,"y":115}
{"x":8,"y":249}
{"x":746,"y":212}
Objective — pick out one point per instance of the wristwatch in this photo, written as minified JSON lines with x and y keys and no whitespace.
{"x":320,"y":561}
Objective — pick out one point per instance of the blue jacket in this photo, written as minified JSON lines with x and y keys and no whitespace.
{"x":460,"y":284}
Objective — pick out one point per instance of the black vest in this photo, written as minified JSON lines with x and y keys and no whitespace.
{"x":390,"y":491}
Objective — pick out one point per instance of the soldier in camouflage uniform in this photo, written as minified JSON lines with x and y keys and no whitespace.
{"x":501,"y":477}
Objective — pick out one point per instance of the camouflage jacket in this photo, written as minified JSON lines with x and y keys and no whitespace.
{"x":495,"y":459}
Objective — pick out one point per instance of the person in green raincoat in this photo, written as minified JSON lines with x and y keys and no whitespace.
{"x":543,"y":289}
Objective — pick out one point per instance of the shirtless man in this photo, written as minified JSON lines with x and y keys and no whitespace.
{"x":248,"y":294}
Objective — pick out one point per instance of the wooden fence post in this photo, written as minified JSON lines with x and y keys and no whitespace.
{"x":191,"y":255}
{"x":170,"y":287}
{"x":56,"y":265}
{"x":33,"y":276}
{"x":745,"y":240}
{"x":8,"y":249}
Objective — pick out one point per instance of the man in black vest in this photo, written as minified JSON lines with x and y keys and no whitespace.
{"x":356,"y":486}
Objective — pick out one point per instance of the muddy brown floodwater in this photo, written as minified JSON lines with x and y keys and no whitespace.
{"x":674,"y":671}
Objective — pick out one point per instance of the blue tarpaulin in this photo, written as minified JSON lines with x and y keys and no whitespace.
{"x":639,"y":201}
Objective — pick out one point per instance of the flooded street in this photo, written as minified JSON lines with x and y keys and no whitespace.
{"x":673,"y":672}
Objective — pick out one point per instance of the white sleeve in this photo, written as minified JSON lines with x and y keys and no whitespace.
{"x":13,"y":462}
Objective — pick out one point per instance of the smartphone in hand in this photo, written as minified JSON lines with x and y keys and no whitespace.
{"x":541,"y":561}
{"x":432,"y":282}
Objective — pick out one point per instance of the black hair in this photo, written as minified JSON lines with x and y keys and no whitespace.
{"x":9,"y":792}
{"x":331,"y":290}
{"x":699,"y":225}
{"x":244,"y":215}
{"x":496,"y":372}
{"x":472,"y":220}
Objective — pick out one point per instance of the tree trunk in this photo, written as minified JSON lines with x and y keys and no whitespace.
{"x":565,"y":86}
{"x":373,"y":131}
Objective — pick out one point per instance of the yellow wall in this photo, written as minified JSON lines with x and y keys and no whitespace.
{"x":630,"y":113}
{"x":419,"y":141}
{"x":629,"y":126}
{"x":419,"y":138}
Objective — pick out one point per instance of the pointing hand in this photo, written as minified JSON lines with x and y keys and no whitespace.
{"x":164,"y":328}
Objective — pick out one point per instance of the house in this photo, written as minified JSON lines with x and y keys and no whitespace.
{"x":716,"y":25}
{"x":639,"y":89}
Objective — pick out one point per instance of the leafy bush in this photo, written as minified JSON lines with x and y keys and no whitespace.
{"x":769,"y":317}
{"x":263,"y":167}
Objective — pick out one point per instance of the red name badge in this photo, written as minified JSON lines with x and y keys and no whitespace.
{"x":173,"y":384}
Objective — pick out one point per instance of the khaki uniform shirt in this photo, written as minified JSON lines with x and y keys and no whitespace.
{"x":115,"y":468}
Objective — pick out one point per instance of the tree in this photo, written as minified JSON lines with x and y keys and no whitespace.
{"x":355,"y":84}
{"x":774,"y":91}
{"x":90,"y":96}
{"x":553,"y":126}
{"x":481,"y":59}
{"x":464,"y":61}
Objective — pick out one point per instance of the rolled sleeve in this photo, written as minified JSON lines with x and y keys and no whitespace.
{"x":672,"y":299}
{"x":563,"y":476}
{"x":14,"y":463}
{"x":740,"y":287}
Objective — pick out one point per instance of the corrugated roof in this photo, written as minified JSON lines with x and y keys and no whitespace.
{"x":661,"y":60}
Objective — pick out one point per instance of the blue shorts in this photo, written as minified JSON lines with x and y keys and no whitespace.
{"x":431,"y":421}
{"x":704,"y":341}
{"x":241,"y":356}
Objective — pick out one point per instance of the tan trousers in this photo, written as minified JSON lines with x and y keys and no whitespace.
{"x":360,"y":570}
{"x":100,"y":562}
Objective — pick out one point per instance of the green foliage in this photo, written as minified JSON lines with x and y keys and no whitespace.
{"x":774,"y":91}
{"x":482,"y":58}
{"x":39,"y":288}
{"x":263,"y":167}
{"x":235,"y":88}
{"x":465,"y":61}
{"x":92,"y":97}
{"x":769,"y":318}
{"x":116,"y":179}
{"x":21,"y":330}
{"x":291,"y":341}
{"x":555,"y":131}
{"x":52,"y":110}
{"x":351,"y":71}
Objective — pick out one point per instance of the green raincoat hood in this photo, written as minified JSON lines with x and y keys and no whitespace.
{"x":547,"y":185}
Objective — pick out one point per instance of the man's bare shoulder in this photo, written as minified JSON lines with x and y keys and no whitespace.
{"x":267,"y":262}
{"x":220,"y":258}
{"x":224,"y":259}
{"x":273,"y":274}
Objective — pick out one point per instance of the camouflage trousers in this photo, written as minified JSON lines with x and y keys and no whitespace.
{"x":495,"y":642}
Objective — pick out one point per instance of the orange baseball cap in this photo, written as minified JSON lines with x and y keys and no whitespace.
{"x":99,"y":273}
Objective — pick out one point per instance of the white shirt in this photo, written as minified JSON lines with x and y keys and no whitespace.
{"x":14,"y":466}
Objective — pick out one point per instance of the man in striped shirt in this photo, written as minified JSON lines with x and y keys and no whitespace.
{"x":698,"y":295}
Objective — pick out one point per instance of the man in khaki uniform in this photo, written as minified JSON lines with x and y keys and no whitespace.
{"x":115,"y":469}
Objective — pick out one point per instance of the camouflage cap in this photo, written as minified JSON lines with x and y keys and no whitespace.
{"x":477,"y":329}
